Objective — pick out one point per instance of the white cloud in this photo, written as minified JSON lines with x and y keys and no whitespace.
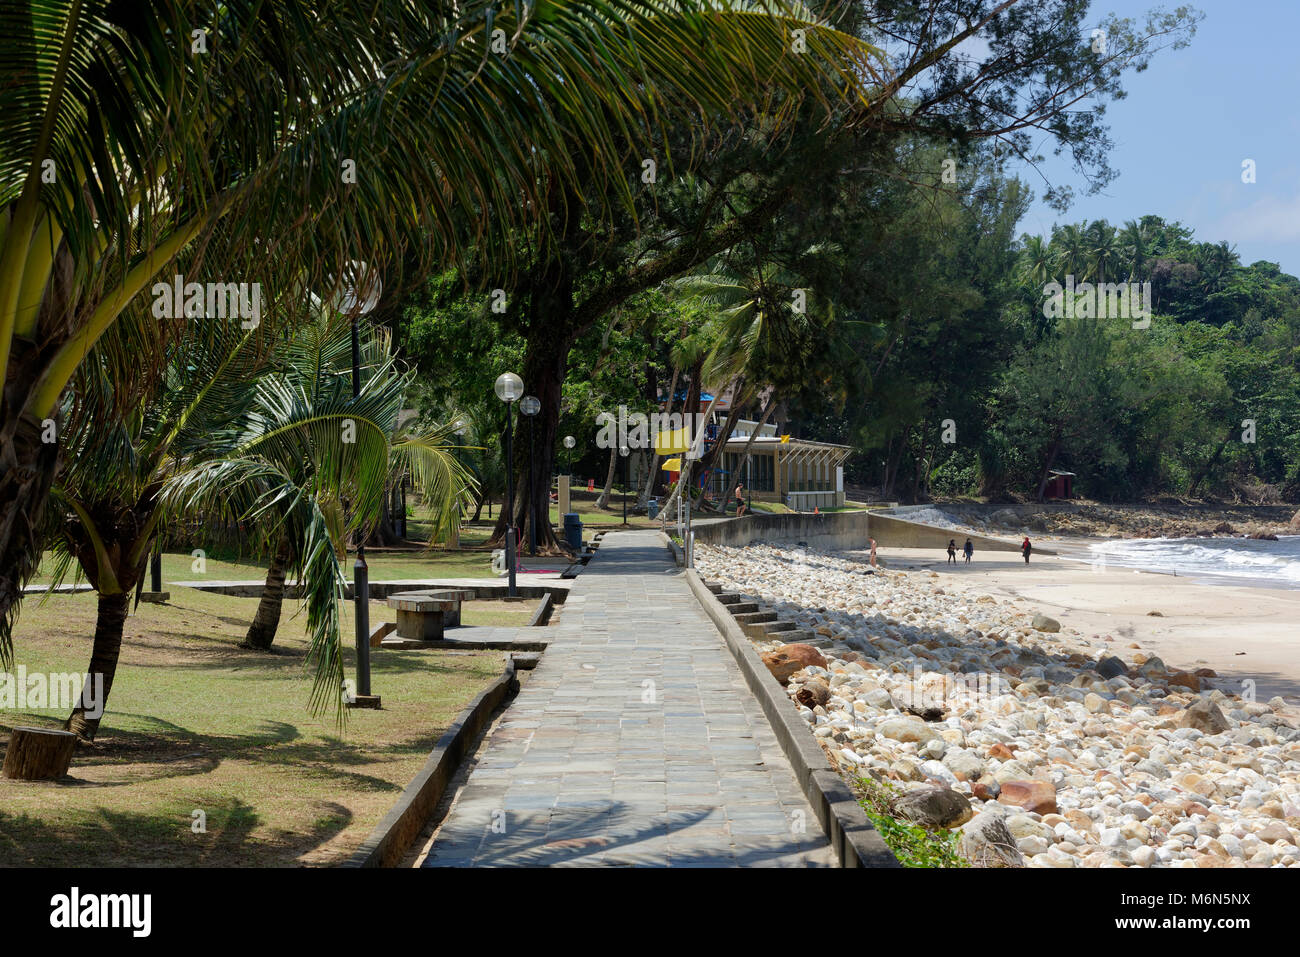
{"x":1269,"y":219}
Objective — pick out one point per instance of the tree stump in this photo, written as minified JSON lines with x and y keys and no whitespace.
{"x":38,"y":754}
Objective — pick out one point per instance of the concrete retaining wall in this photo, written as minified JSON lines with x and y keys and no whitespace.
{"x":391,"y":838}
{"x":843,"y":530}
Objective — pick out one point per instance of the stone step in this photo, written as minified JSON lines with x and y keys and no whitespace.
{"x":780,"y":625}
{"x":729,"y":598}
{"x":743,"y":607}
{"x":754,"y":617}
{"x":804,"y":637}
{"x":714,"y":587}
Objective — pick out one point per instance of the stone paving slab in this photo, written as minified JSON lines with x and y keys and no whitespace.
{"x":634,"y":743}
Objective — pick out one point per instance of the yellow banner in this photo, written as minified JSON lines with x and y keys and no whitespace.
{"x":673,"y":443}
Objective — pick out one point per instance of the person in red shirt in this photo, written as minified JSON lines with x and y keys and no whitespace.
{"x":1026,"y":548}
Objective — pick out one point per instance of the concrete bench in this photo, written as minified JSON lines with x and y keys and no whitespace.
{"x":422,"y":615}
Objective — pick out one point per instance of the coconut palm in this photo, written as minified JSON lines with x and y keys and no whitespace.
{"x":1104,"y":251}
{"x":1135,"y":243}
{"x":106,"y":513}
{"x":1071,"y":248}
{"x":752,"y":323}
{"x":316,"y":368}
{"x":1034,"y":267}
{"x":270,"y":442}
{"x":310,"y":464}
{"x":267,"y":139}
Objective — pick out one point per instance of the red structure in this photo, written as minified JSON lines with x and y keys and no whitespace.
{"x":1059,"y":485}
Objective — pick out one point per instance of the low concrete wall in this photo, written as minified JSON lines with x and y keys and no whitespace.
{"x":389,"y":841}
{"x":843,"y":530}
{"x":489,"y":589}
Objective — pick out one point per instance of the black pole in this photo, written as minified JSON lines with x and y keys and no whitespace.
{"x":403,"y":506}
{"x":625,"y":468}
{"x":510,"y":506}
{"x":534,"y":505}
{"x":155,"y":572}
{"x":360,"y":570}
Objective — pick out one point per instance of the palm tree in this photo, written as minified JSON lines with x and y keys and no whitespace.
{"x":1134,"y":243}
{"x":311,"y":464}
{"x":1071,"y":248}
{"x":317,"y":370}
{"x":106,"y":515}
{"x":243,"y":437}
{"x":1217,"y":263}
{"x":1034,"y":267}
{"x":752,"y":321}
{"x":123,"y":147}
{"x":1103,"y":251}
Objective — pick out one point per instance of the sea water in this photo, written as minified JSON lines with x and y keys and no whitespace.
{"x":1226,"y":561}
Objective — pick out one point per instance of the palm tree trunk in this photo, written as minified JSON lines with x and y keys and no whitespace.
{"x":109,"y":622}
{"x":716,"y":453}
{"x":27,"y":469}
{"x":262,"y":631}
{"x":684,"y":478}
{"x":744,"y":457}
{"x":656,"y":458}
{"x":602,"y":501}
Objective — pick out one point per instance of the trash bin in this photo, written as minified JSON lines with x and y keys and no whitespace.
{"x":573,"y":530}
{"x":652,"y":508}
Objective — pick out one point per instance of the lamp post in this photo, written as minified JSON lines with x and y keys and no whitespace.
{"x":529,"y":405}
{"x":509,"y":387}
{"x":622,"y":450}
{"x":358,"y":294}
{"x":459,"y":427}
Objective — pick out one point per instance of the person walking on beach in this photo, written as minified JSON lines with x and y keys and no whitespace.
{"x":740,"y":500}
{"x":969,"y":550}
{"x":1026,"y":548}
{"x":952,"y":551}
{"x":873,"y":552}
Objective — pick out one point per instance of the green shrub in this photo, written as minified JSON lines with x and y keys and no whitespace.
{"x":914,"y":846}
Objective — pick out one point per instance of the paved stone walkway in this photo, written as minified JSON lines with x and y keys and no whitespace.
{"x":635,"y":742}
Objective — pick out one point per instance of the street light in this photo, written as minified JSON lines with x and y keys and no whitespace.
{"x":530,"y":406}
{"x":509,"y":387}
{"x":569,"y":443}
{"x":458,"y":428}
{"x":622,"y":450}
{"x":357,"y":294}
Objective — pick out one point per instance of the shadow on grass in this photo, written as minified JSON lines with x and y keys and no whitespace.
{"x":103,"y":837}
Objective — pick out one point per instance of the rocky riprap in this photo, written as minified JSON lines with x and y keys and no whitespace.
{"x":1066,"y":754}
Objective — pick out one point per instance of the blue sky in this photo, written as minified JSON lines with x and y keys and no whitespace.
{"x":1188,"y":123}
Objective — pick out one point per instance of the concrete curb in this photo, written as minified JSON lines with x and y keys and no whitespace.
{"x":855,"y":842}
{"x":543,"y":613}
{"x":391,"y":838}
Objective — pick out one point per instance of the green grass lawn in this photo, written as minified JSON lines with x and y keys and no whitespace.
{"x":196,"y":723}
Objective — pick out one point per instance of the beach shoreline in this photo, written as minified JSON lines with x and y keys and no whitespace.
{"x":1246,"y":633}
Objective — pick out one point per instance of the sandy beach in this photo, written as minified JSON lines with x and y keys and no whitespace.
{"x":1243,"y":633}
